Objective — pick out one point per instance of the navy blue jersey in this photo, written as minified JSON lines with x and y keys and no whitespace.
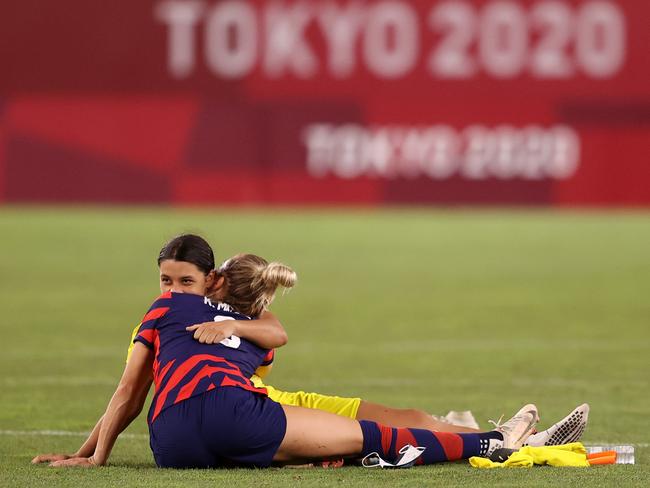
{"x":183,"y":367}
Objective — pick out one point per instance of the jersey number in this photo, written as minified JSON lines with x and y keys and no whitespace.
{"x":232,"y":342}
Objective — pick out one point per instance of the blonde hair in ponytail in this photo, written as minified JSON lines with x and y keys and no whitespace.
{"x":251,"y":282}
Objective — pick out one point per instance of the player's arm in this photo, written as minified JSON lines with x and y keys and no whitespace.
{"x":124,"y":407}
{"x":88,"y":447}
{"x":267,"y":331}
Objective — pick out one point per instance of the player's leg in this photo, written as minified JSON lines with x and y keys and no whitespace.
{"x":313,"y":434}
{"x":358,"y":409}
{"x":316,"y":434}
{"x":407,"y":417}
{"x":347,"y":407}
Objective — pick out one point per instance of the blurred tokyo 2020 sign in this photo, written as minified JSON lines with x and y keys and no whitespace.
{"x":324,"y":101}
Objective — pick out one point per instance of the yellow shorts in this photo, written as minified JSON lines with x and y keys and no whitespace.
{"x":346,"y":407}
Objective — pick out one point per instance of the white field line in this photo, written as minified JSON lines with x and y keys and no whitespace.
{"x":610,"y":443}
{"x":13,"y":381}
{"x":446,"y":345}
{"x":521,"y":382}
{"x":67,"y":433}
{"x":61,"y":433}
{"x":323,"y":382}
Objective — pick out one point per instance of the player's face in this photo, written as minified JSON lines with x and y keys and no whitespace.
{"x":183,"y":277}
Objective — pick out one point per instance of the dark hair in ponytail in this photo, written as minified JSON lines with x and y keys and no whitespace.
{"x":191,"y":249}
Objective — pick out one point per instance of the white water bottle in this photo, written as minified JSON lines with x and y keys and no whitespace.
{"x":624,"y":454}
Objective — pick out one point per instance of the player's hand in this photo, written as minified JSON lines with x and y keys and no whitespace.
{"x":81,"y":462}
{"x":213,"y":332}
{"x":332,"y":464}
{"x":49,"y":458}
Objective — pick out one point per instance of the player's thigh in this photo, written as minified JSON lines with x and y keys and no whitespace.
{"x":314,"y":434}
{"x":406,"y":417}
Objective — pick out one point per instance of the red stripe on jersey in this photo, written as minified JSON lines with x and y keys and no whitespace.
{"x":149,"y":335}
{"x":166,"y":295}
{"x":156,"y":342}
{"x":451,"y":443}
{"x":207,"y":370}
{"x":156,"y":313}
{"x":178,"y":376}
{"x":159,"y":375}
{"x":269,"y":357}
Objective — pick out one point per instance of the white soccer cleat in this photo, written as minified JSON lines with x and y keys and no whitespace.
{"x":516,"y":430}
{"x":567,"y":430}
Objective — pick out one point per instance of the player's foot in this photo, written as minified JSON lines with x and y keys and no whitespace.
{"x":462,"y":419}
{"x":569,"y":429}
{"x":515,"y":431}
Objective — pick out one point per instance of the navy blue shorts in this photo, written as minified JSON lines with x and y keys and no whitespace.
{"x":226,"y":426}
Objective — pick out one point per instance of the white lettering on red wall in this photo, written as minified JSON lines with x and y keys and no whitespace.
{"x":503,"y":39}
{"x":441,"y":152}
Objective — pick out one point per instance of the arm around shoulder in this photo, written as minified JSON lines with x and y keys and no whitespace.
{"x":266,"y":331}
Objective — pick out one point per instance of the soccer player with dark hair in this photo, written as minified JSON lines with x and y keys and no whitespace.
{"x":207,"y":413}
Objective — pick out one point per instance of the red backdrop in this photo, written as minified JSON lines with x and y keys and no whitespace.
{"x":317,"y":101}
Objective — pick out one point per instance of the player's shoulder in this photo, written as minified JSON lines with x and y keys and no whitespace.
{"x":169,"y":302}
{"x":173,"y":299}
{"x":162,"y":301}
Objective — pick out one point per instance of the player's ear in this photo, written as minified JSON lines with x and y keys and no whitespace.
{"x":219,"y":282}
{"x":210,"y":279}
{"x":215,"y":285}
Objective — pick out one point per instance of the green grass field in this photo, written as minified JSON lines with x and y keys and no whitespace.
{"x":432,"y":309}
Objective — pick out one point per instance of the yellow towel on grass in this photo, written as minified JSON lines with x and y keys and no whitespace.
{"x":573,"y":454}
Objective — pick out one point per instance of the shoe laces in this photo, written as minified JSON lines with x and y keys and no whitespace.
{"x":496,"y":424}
{"x":507,"y":427}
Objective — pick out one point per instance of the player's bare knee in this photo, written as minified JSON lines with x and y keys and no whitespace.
{"x":416,"y":416}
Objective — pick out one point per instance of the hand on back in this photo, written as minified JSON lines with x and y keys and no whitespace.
{"x":213,"y":332}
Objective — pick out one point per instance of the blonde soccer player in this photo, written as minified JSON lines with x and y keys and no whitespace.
{"x":206,"y":413}
{"x":246,"y":284}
